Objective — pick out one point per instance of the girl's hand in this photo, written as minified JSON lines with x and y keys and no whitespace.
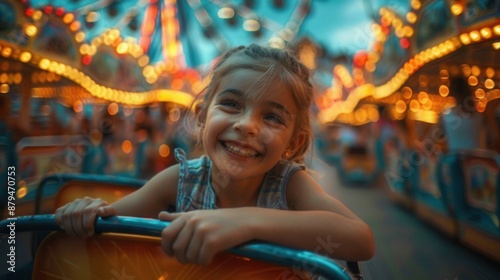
{"x":197,"y":236}
{"x":77,"y":218}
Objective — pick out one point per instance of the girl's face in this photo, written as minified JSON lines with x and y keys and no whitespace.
{"x":244,"y":135}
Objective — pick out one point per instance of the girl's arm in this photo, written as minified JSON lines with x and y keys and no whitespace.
{"x":319,"y":223}
{"x":158,"y":194}
{"x":77,"y":217}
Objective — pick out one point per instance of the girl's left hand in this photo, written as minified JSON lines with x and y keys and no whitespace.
{"x":196,"y":236}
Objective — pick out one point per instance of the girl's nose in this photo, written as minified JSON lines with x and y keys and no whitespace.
{"x":247,"y":124}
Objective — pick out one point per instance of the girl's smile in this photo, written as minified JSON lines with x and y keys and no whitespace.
{"x":239,"y":150}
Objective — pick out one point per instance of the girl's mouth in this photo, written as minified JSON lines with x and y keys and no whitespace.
{"x":239,"y":150}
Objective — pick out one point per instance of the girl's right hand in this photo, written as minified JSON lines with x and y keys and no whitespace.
{"x":77,"y":218}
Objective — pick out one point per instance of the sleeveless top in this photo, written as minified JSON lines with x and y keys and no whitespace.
{"x":195,"y":191}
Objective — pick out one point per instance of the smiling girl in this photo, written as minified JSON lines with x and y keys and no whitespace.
{"x":251,"y":183}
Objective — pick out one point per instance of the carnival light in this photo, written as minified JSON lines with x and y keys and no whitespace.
{"x":457,"y":9}
{"x":164,"y":150}
{"x":127,"y":146}
{"x":411,"y":17}
{"x":489,"y":84}
{"x":486,"y":32}
{"x":4,"y":88}
{"x":25,"y":57}
{"x":473,"y":80}
{"x":444,"y":90}
{"x":30,"y":30}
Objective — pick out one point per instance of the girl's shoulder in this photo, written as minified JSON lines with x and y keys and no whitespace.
{"x":285,"y":167}
{"x":181,"y":157}
{"x":273,"y":193}
{"x":303,"y":192}
{"x":194,"y":190}
{"x":195,"y":166}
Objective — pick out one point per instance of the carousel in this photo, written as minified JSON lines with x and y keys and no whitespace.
{"x":428,"y":90}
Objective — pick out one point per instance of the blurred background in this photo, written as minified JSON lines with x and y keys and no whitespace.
{"x":406,"y":112}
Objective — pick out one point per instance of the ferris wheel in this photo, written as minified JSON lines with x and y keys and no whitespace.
{"x":188,"y":33}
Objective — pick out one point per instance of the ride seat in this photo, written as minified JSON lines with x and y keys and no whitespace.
{"x":119,"y":256}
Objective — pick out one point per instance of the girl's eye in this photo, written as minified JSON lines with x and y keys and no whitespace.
{"x":230,"y":104}
{"x":275,"y":118}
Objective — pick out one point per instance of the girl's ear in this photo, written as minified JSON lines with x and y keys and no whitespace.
{"x":295,"y":143}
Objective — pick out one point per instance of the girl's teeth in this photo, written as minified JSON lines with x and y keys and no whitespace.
{"x":241,"y":151}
